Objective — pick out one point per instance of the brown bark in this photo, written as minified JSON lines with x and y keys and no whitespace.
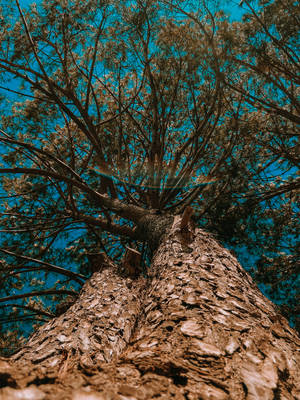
{"x":96,"y":328}
{"x":203,"y":331}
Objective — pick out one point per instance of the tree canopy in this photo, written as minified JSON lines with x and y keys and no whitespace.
{"x":113,"y":110}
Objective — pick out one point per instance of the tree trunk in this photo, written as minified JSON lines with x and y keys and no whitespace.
{"x":198,"y":328}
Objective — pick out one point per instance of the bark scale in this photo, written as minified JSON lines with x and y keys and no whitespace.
{"x":97,"y":328}
{"x":203,"y":330}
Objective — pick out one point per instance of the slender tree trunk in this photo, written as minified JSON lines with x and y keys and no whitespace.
{"x":199,"y":329}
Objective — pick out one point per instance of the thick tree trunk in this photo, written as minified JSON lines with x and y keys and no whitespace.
{"x":199,"y":329}
{"x":96,"y":328}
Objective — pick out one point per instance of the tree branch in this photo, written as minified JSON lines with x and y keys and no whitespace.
{"x":39,"y":293}
{"x":49,"y":267}
{"x":130,"y":212}
{"x":37,"y":311}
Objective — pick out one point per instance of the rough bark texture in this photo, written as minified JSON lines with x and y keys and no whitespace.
{"x":96,"y":328}
{"x":152,"y":227}
{"x":203,"y":331}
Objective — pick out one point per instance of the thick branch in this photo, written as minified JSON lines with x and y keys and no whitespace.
{"x":108,"y":226}
{"x":130,"y":212}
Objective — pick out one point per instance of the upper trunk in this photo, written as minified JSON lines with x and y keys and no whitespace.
{"x":202,"y":330}
{"x":151,"y":228}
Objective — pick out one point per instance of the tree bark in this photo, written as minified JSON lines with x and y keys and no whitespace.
{"x":198,"y":328}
